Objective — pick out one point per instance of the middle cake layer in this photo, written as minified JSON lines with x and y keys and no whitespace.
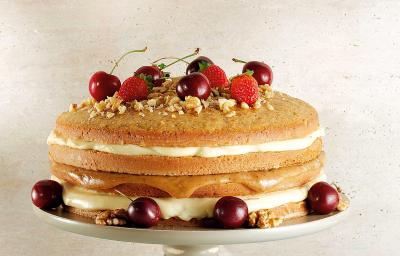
{"x":216,"y":185}
{"x":164,"y":165}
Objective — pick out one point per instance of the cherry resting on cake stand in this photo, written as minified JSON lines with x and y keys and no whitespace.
{"x":190,"y":241}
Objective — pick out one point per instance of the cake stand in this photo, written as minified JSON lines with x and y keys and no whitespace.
{"x":189,"y":241}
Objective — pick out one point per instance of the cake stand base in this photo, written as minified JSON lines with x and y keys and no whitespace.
{"x":190,"y":241}
{"x":203,"y":250}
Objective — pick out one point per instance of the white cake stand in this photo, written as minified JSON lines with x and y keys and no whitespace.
{"x":189,"y":241}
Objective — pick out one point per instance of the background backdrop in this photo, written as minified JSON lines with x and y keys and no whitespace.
{"x":341,"y":56}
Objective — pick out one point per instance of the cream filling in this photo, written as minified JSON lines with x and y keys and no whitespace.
{"x":135,"y":150}
{"x":183,"y":208}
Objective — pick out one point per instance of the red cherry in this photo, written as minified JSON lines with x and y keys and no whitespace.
{"x":231,"y":212}
{"x":323,"y":198}
{"x":144,"y":212}
{"x":194,"y":66}
{"x":47,"y":194}
{"x":102,"y":84}
{"x":153,"y":71}
{"x":195,"y":84}
{"x":262,"y":72}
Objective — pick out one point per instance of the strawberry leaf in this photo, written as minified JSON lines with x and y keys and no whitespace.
{"x":249,"y":72}
{"x":203,"y":65}
{"x":148,"y":79}
{"x":161,"y":66}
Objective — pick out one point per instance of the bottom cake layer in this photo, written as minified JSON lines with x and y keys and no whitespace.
{"x":183,"y":208}
{"x":263,"y":218}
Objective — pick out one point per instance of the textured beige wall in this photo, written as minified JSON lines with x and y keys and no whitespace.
{"x":341,"y":56}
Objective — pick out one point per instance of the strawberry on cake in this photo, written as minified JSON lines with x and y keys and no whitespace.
{"x":195,"y":150}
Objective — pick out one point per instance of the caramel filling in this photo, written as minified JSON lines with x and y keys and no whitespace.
{"x":185,"y":186}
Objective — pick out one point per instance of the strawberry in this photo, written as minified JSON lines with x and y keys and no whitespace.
{"x":244,"y":88}
{"x":133,"y":88}
{"x":215,"y":75}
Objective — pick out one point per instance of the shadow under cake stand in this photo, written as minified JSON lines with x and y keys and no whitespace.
{"x":190,"y":241}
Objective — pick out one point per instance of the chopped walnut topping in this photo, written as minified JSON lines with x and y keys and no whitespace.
{"x":110,"y":114}
{"x":170,"y":101}
{"x":263,"y":219}
{"x":231,"y":114}
{"x":73,"y":107}
{"x":270,"y":107}
{"x":257,"y":104}
{"x":152,"y":102}
{"x":100,"y":106}
{"x":138,"y":106}
{"x":92,"y":114}
{"x":244,"y":105}
{"x":226,"y":105}
{"x":117,"y":217}
{"x":121,"y":109}
{"x":164,"y":100}
{"x":343,"y":203}
{"x":192,"y":104}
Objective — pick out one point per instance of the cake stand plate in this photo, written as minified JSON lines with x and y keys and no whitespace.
{"x":190,"y":241}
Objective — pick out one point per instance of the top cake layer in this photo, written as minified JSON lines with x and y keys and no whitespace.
{"x":290,"y":118}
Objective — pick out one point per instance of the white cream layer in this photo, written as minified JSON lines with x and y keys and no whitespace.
{"x":135,"y":150}
{"x":184,"y":208}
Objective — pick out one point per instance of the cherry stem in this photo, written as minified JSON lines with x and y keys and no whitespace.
{"x":196,"y":51}
{"x":119,"y":192}
{"x":237,"y":60}
{"x":168,"y":58}
{"x":127,"y":53}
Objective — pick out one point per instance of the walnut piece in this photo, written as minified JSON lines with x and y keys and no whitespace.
{"x":343,"y":203}
{"x":118,"y":217}
{"x":263,"y":219}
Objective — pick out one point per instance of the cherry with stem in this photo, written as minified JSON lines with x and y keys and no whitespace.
{"x":261,"y":71}
{"x":154,"y":74}
{"x":103,"y":85}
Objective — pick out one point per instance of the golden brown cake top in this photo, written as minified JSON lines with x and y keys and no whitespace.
{"x":164,"y":120}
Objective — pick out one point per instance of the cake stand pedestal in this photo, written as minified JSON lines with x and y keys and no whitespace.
{"x":190,"y":241}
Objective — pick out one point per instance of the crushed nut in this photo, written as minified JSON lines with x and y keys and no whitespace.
{"x":110,"y":114}
{"x":138,"y":106}
{"x":263,"y":219}
{"x":73,"y":107}
{"x":152,"y":102}
{"x":100,"y":106}
{"x":121,"y":109}
{"x":92,"y":114}
{"x":257,"y":104}
{"x":226,"y":105}
{"x":116,"y":217}
{"x":270,"y":107}
{"x":231,"y":114}
{"x":343,"y":203}
{"x":244,"y":105}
